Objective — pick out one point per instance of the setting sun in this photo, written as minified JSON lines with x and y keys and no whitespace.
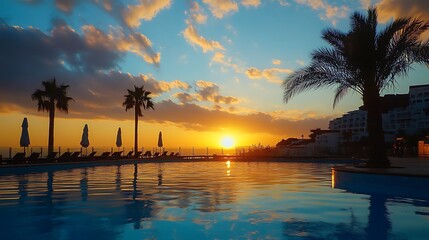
{"x":227,"y":142}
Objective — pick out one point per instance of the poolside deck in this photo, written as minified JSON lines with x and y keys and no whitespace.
{"x":412,"y":167}
{"x":193,"y":158}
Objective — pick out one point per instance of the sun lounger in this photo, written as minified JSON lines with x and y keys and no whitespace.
{"x":129,"y":154}
{"x":164,"y":154}
{"x":138,"y":154}
{"x":88,"y":157}
{"x":173,"y":154}
{"x":65,"y":156}
{"x":52,"y":155}
{"x":50,"y":158}
{"x":147,"y":154}
{"x":75,"y":155}
{"x":18,"y":158}
{"x":33,"y":157}
{"x":91,"y":155}
{"x":104,"y":155}
{"x":156,"y":154}
{"x":116,"y":154}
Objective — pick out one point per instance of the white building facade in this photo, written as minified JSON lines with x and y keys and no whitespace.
{"x":408,"y":120}
{"x":327,"y":143}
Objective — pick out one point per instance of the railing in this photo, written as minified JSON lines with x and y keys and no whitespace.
{"x":9,"y":152}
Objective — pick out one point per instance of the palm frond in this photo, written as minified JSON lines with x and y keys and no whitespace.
{"x":340,"y":92}
{"x":137,"y":99}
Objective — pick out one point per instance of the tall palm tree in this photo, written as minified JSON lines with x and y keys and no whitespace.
{"x":137,"y":99}
{"x":52,"y":97}
{"x":367,"y":61}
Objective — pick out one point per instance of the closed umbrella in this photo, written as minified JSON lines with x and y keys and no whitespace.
{"x":160,"y":140}
{"x":119,"y":138}
{"x":85,"y":138}
{"x":24,"y":141}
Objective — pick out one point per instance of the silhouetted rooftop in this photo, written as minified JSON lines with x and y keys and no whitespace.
{"x":392,"y":101}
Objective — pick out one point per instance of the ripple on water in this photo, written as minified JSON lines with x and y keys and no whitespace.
{"x":199,"y":200}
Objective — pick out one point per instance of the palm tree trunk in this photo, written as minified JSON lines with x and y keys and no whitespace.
{"x":51,"y":129}
{"x":136,"y":126}
{"x":377,"y":149}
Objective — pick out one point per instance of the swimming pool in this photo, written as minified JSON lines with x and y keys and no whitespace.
{"x":206,"y":200}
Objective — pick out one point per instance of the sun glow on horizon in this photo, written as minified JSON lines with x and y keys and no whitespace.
{"x":227,"y":142}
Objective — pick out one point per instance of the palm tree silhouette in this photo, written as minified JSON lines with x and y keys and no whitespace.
{"x":137,"y":99}
{"x":367,"y":61}
{"x":50,"y":98}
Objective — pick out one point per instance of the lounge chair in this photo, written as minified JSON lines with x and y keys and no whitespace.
{"x":52,"y":155}
{"x":156,"y":154}
{"x":147,"y":154}
{"x":129,"y":154}
{"x":104,"y":155}
{"x":138,"y":154}
{"x":116,"y":154}
{"x":91,"y":155}
{"x":75,"y":155}
{"x":164,"y":154}
{"x":65,"y":156}
{"x":88,"y":157}
{"x":19,"y":155}
{"x":173,"y":154}
{"x":33,"y":157}
{"x":19,"y":158}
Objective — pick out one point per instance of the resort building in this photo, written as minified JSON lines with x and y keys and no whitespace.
{"x":353,"y":122}
{"x":402,"y":114}
{"x":327,"y":142}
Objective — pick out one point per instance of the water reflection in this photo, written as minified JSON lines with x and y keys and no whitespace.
{"x":381,"y":191}
{"x":160,"y":175}
{"x":195,"y":201}
{"x":84,"y":185}
{"x":379,"y":225}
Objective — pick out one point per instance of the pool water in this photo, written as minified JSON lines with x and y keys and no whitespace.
{"x":206,"y":200}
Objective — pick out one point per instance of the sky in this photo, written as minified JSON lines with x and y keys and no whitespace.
{"x":214,"y":67}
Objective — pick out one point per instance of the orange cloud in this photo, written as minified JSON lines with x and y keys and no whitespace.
{"x":332,"y":13}
{"x":270,"y":74}
{"x":146,"y":10}
{"x":206,"y":91}
{"x":251,"y":3}
{"x":388,"y":9}
{"x":116,"y":39}
{"x":219,"y":57}
{"x":197,"y":14}
{"x":107,"y":5}
{"x":276,"y":62}
{"x":65,"y":5}
{"x":221,"y":7}
{"x":195,"y":39}
{"x":167,"y":86}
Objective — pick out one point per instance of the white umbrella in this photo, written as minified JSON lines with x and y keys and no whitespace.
{"x":160,"y":140}
{"x":25,"y":137}
{"x":119,"y":138}
{"x":85,"y":138}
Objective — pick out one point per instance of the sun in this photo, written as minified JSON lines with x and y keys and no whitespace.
{"x":227,"y":142}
